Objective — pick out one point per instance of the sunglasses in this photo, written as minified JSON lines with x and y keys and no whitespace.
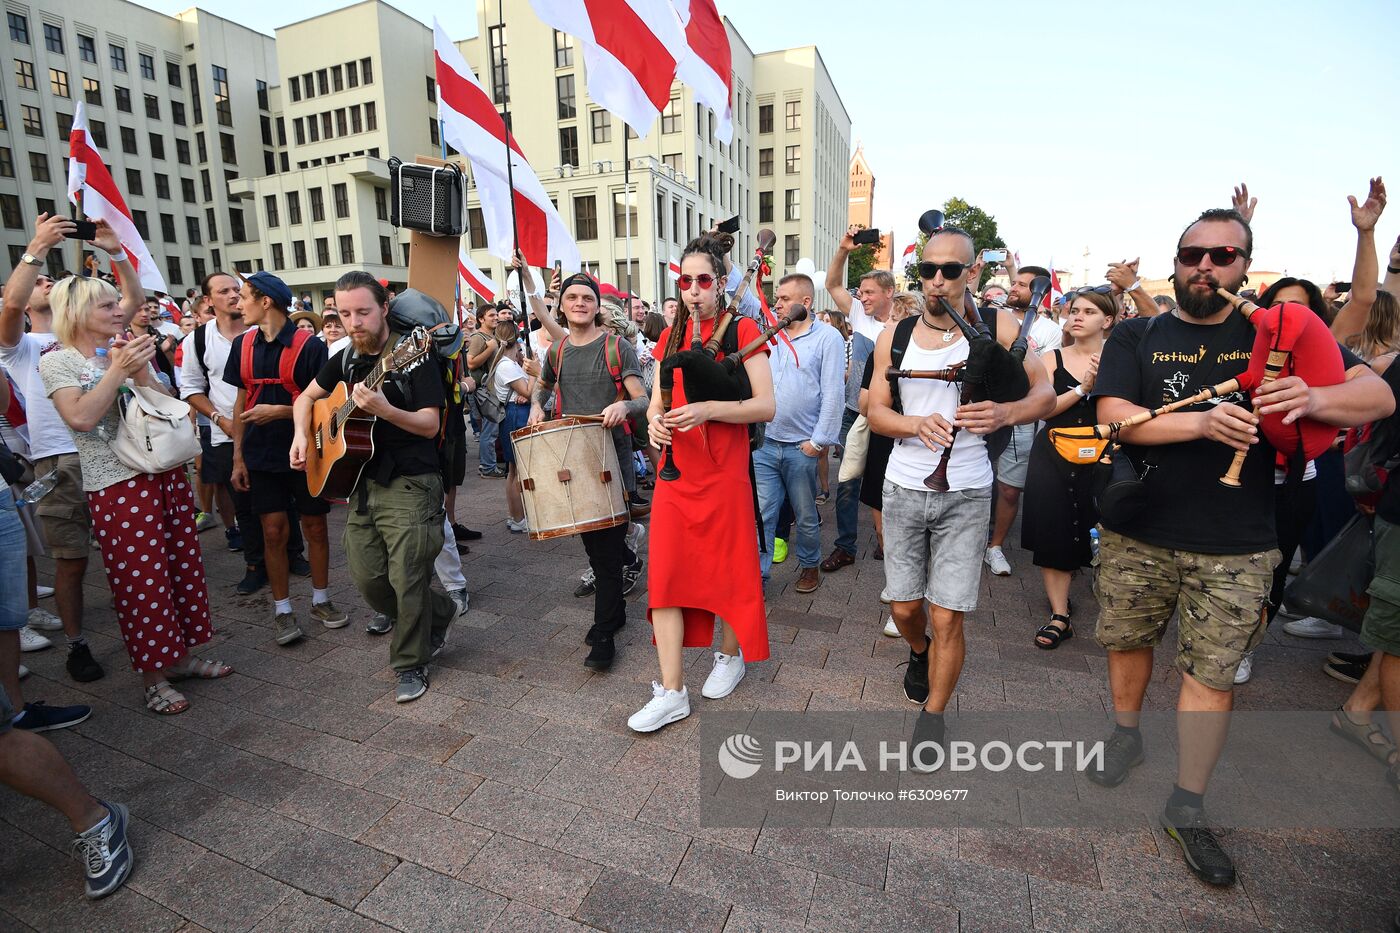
{"x":1093,"y":290}
{"x":705,"y":279}
{"x":950,"y":270}
{"x":1219,"y":255}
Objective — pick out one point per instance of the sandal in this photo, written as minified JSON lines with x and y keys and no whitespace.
{"x":1368,"y":735}
{"x":165,"y":700}
{"x":199,"y":669}
{"x":1052,"y":634}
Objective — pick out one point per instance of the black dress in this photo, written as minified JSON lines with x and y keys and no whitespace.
{"x":1058,"y":508}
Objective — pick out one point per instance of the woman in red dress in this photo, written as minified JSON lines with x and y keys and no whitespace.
{"x":704,"y":538}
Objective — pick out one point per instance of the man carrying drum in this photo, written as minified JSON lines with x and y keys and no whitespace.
{"x":595,"y":373}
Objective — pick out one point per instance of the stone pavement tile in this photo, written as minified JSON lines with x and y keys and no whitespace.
{"x":1205,"y":920}
{"x":414,"y":898}
{"x":1060,"y":855}
{"x":1280,"y":904}
{"x":839,"y":905}
{"x":520,"y":813}
{"x":479,"y":660}
{"x":507,"y":725}
{"x":736,"y":877}
{"x":1363,"y":861}
{"x":988,"y":898}
{"x":801,"y":619}
{"x":252,"y":778}
{"x":501,"y":761}
{"x":417,"y":740}
{"x":431,"y":786}
{"x":263,"y":735}
{"x":1167,"y":880}
{"x":238,"y":830}
{"x":626,"y":903}
{"x":828,"y":681}
{"x":560,"y":706}
{"x":542,"y":673}
{"x":219,"y":894}
{"x":330,"y":867}
{"x":335,"y":807}
{"x":352,"y":689}
{"x":124,"y":910}
{"x":313,"y":712}
{"x":269,"y":668}
{"x":584,"y":743}
{"x":434,"y":708}
{"x":11,"y":922}
{"x":520,"y":917}
{"x":859,"y":858}
{"x":347,"y":762}
{"x":1072,"y":907}
{"x":600,"y":787}
{"x":302,"y":913}
{"x":365,"y":661}
{"x":650,"y":758}
{"x":545,"y":878}
{"x":35,"y":874}
{"x":627,"y":845}
{"x":748,"y":920}
{"x":675,"y":806}
{"x":426,"y":838}
{"x":207,"y":717}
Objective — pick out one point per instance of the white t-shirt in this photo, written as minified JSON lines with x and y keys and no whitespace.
{"x":1046,"y":335}
{"x":910,"y":460}
{"x":507,"y":371}
{"x":48,"y":435}
{"x":194,"y":381}
{"x":339,"y":345}
{"x":862,"y":323}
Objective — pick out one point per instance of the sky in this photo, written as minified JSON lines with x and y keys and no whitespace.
{"x":1105,"y":126}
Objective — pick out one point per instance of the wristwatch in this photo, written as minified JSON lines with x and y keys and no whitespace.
{"x":817,"y":447}
{"x":31,"y":259}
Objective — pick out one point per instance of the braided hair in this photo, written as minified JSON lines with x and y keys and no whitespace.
{"x":714,"y":247}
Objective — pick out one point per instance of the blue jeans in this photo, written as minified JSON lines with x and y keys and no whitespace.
{"x":486,"y":443}
{"x":14,"y":577}
{"x":847,"y":496}
{"x":784,"y":472}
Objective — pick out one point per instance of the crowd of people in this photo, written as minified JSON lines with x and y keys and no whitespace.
{"x":889,"y":388}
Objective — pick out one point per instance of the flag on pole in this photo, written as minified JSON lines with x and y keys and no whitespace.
{"x":91,"y":185}
{"x":1057,"y":294}
{"x":673,"y":269}
{"x":473,"y":279}
{"x":706,"y":66}
{"x":473,"y":126}
{"x":631,"y":49}
{"x":908,"y":256}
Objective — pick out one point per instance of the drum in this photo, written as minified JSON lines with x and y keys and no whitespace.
{"x":570,"y":476}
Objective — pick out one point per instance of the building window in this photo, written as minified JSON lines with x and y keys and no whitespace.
{"x":323,"y":84}
{"x":65,"y":124}
{"x":347,"y":248}
{"x":299,"y":132}
{"x":87,"y":49}
{"x":279,"y":259}
{"x":500,"y":74}
{"x":586,"y":216}
{"x":58,"y":83}
{"x":299,"y":253}
{"x":624,"y":213}
{"x":356,"y":125}
{"x":352,"y":74}
{"x":99,"y":133}
{"x":167,"y":227}
{"x":323,"y":251}
{"x":341,"y":195}
{"x":118,"y":56}
{"x":564,"y":90}
{"x":269,"y":162}
{"x":123,"y":99}
{"x":177,"y":113}
{"x":794,"y":115}
{"x":92,"y":91}
{"x":173,"y":264}
{"x":371,"y":120}
{"x":628,"y":275}
{"x":199,"y":269}
{"x":432,"y":89}
{"x":53,"y":39}
{"x":7,"y":163}
{"x":326,"y":129}
{"x":568,"y":146}
{"x":671,"y":116}
{"x":32,"y":120}
{"x":476,"y":228}
{"x":227,"y":148}
{"x":563,"y":49}
{"x":24,"y":75}
{"x":765,"y":118}
{"x":792,"y":157}
{"x":182,"y":151}
{"x":139,"y":219}
{"x":147,"y":65}
{"x":765,"y":207}
{"x":386,"y":251}
{"x":381,"y":204}
{"x":192,"y":228}
{"x":196,"y":105}
{"x":293,"y":207}
{"x":281,"y":131}
{"x":433,"y":132}
{"x":602,"y":126}
{"x":133,"y":181}
{"x":341,"y":127}
{"x":153,"y":106}
{"x":270,"y":209}
{"x":222,"y":109}
{"x":206,"y":184}
{"x":318,"y":205}
{"x":262,"y":94}
{"x":765,"y":162}
{"x":792,"y":250}
{"x":792,"y":204}
{"x":366,"y":71}
{"x":187,"y":190}
{"x":294,"y":82}
{"x":265,"y":125}
{"x":162,"y":186}
{"x":675,"y":161}
{"x":172,"y":74}
{"x":39,"y":166}
{"x":9,"y":213}
{"x":19,"y":28}
{"x":213,"y":226}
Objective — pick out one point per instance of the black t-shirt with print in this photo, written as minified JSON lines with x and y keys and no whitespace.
{"x":1188,"y":508}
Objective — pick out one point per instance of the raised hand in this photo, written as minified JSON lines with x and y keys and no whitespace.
{"x":1122,"y":274}
{"x":49,"y":231}
{"x":1242,"y":202}
{"x":106,"y":238}
{"x":1365,"y":215}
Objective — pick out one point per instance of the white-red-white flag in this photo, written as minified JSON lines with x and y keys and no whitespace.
{"x":908,"y":256}
{"x":473,"y":278}
{"x":473,"y":126}
{"x":673,"y":268}
{"x":707,"y":67}
{"x":630,"y":48}
{"x":91,"y":185}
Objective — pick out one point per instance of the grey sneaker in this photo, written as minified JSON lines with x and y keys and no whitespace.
{"x":380,"y":624}
{"x":630,"y":577}
{"x":413,"y":683}
{"x":288,"y":630}
{"x":462,"y":600}
{"x":1199,"y":845}
{"x":1122,"y":753}
{"x":106,"y":857}
{"x":329,"y":616}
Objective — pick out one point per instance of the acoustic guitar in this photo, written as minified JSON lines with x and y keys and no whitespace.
{"x":342,"y":439}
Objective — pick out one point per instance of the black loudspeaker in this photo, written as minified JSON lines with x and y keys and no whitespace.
{"x":429,"y":199}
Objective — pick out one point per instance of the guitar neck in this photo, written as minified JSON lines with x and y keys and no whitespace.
{"x":374,"y":380}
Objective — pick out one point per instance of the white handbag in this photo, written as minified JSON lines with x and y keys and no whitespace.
{"x":853,"y":457}
{"x":155,"y":432}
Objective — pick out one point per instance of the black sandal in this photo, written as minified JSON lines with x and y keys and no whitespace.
{"x":1052,"y":633}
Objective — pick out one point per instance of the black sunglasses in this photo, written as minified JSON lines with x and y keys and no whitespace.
{"x":950,"y":270}
{"x":1219,"y":255}
{"x":1093,"y":290}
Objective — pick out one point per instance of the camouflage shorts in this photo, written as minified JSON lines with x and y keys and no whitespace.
{"x":1222,"y":600}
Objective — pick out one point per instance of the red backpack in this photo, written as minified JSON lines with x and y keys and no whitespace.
{"x":286,"y":367}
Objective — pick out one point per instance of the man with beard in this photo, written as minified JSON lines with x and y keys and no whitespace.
{"x":1197,"y":546}
{"x":395,"y":528}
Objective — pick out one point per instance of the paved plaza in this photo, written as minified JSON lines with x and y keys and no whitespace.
{"x":297,"y":796}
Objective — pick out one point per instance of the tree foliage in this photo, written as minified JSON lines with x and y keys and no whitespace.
{"x":860,"y":261}
{"x":981,"y":225}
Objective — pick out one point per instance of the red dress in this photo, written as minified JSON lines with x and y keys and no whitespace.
{"x":704,"y":537}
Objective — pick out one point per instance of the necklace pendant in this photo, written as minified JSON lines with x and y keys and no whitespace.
{"x":947,"y":336}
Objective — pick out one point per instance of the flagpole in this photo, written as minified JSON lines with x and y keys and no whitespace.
{"x":510,"y":170}
{"x":627,"y":210}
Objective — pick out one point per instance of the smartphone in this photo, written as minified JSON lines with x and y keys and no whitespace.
{"x":729,"y":226}
{"x":1341,"y":288}
{"x":994,"y":255}
{"x":87,"y":229}
{"x":866,"y":237}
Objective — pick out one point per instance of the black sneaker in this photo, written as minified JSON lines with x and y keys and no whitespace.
{"x":928,"y":728}
{"x":82,"y":667}
{"x":630,"y":576}
{"x":234,"y":537}
{"x":587,"y":584}
{"x":299,"y":566}
{"x":254,"y":580}
{"x":40,"y":717}
{"x":1200,"y":848}
{"x":463,"y":533}
{"x":1122,"y":752}
{"x":601,"y":657}
{"x":1362,"y":659}
{"x":601,"y":633}
{"x":916,"y":677}
{"x":1346,"y":673}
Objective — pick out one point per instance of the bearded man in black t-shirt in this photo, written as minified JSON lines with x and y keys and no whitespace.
{"x":1198,"y":547}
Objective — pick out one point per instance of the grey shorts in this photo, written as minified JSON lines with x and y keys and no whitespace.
{"x":1016,"y":458}
{"x":934,"y":542}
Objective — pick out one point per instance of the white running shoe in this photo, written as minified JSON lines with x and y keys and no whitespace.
{"x":1246,"y":668}
{"x":517,"y":527}
{"x":1313,"y":627}
{"x":997,"y":561}
{"x":30,"y":640}
{"x":891,"y":630}
{"x":727,"y":672}
{"x":44,"y":591}
{"x":636,"y":537}
{"x":42,"y":619}
{"x":664,"y":708}
{"x":23,"y":672}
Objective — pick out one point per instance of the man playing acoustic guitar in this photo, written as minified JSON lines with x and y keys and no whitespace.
{"x":395,"y":528}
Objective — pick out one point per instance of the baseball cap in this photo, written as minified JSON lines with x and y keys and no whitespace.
{"x":271,"y":286}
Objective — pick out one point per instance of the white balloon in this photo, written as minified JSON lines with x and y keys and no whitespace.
{"x":806,"y":266}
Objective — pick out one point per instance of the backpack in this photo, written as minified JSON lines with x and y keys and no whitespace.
{"x":412,"y":309}
{"x":286,"y":367}
{"x":1372,"y":451}
{"x":612,"y":356}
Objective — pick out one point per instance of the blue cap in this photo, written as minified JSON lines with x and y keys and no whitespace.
{"x":271,"y":286}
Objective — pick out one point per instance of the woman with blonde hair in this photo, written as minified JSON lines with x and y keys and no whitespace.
{"x":144,"y":522}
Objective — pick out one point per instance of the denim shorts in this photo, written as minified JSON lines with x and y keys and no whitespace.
{"x":1014,"y":462}
{"x":14,"y":576}
{"x":934,"y":542}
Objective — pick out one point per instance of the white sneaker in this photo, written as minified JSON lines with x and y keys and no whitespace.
{"x":519,"y":527}
{"x":30,"y":640}
{"x":23,"y":672}
{"x":997,"y":561}
{"x":1246,"y":668}
{"x":43,"y":619}
{"x":636,"y":537}
{"x":462,"y":600}
{"x":891,"y":630}
{"x":44,"y":591}
{"x":1295,"y":566}
{"x":1313,"y":627}
{"x":664,"y":708}
{"x":727,"y":672}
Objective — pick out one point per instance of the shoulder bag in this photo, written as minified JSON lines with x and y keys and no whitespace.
{"x":155,"y":432}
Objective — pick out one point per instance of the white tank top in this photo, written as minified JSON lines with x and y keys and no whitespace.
{"x":911,"y":461}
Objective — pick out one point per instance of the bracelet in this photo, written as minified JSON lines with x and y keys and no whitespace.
{"x":1135,"y":286}
{"x":118,"y":257}
{"x":1079,"y":391}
